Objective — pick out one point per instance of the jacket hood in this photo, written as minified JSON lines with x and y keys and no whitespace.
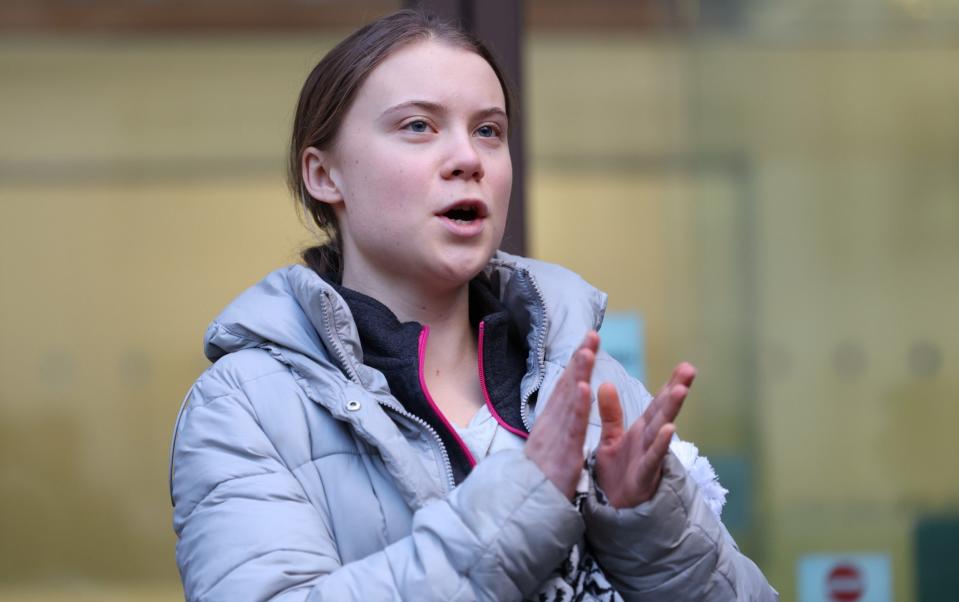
{"x":294,"y":308}
{"x":291,"y":308}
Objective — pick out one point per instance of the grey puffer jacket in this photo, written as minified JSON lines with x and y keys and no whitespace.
{"x":296,"y":475}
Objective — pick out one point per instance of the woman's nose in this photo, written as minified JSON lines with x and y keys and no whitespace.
{"x":464,"y":160}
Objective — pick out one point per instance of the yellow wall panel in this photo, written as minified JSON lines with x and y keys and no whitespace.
{"x":782,"y":214}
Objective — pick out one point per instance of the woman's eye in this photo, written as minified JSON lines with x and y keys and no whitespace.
{"x":419,"y":126}
{"x":487,"y":131}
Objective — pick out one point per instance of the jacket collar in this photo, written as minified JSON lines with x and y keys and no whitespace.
{"x":295,"y":309}
{"x":395,"y":349}
{"x":301,"y":320}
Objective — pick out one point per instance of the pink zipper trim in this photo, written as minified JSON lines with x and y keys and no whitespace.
{"x":489,"y":404}
{"x":424,"y":334}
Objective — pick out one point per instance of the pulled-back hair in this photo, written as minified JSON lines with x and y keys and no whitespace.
{"x":330,"y":90}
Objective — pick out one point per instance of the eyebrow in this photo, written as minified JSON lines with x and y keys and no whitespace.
{"x":433,"y":107}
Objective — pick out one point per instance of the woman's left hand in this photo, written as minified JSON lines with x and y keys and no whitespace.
{"x":629,"y":463}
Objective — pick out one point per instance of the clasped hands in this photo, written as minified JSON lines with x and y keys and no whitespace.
{"x":629,"y":463}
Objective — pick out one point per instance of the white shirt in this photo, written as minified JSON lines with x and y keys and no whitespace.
{"x":484,"y":436}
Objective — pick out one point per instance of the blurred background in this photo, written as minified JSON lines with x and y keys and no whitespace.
{"x":771,"y":187}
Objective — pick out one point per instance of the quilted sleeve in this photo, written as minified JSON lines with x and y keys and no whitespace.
{"x":247,"y":530}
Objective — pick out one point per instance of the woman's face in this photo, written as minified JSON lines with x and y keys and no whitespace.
{"x":422,"y":170}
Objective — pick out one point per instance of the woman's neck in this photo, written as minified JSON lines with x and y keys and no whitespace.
{"x":446,"y":311}
{"x":450,"y":360}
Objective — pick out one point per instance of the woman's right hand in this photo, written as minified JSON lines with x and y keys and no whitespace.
{"x":556,"y":442}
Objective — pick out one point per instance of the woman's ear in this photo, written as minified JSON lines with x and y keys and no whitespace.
{"x":318,"y":178}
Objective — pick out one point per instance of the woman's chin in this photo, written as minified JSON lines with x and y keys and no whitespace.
{"x":459,"y":269}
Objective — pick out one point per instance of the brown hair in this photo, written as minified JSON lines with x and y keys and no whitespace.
{"x":329,"y":92}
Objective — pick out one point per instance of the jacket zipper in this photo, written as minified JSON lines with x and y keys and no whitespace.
{"x":354,"y":376}
{"x":337,"y":345}
{"x":540,"y":353}
{"x":446,"y":457}
{"x":524,"y":402}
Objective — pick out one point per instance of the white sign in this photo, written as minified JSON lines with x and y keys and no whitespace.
{"x":845,"y":578}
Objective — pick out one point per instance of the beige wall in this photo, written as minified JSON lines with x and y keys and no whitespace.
{"x":783,"y":215}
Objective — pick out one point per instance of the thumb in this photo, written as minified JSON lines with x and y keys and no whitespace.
{"x":611,"y":414}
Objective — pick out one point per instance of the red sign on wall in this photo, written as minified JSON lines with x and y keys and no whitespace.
{"x":844,"y":583}
{"x":853,"y":577}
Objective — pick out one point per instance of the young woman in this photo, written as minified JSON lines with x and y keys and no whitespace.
{"x":407,"y":416}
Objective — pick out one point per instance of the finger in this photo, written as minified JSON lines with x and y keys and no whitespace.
{"x":580,"y":365}
{"x":582,"y":404}
{"x":574,"y":410}
{"x":662,"y":397}
{"x":668,"y":410}
{"x":575,"y":421}
{"x":610,"y":413}
{"x":585,"y":356}
{"x":683,"y":374}
{"x":583,"y":364}
{"x":653,"y":458}
{"x":653,"y":406}
{"x":591,"y":341}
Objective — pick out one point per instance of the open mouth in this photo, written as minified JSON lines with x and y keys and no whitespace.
{"x":462,"y":214}
{"x":465,"y":212}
